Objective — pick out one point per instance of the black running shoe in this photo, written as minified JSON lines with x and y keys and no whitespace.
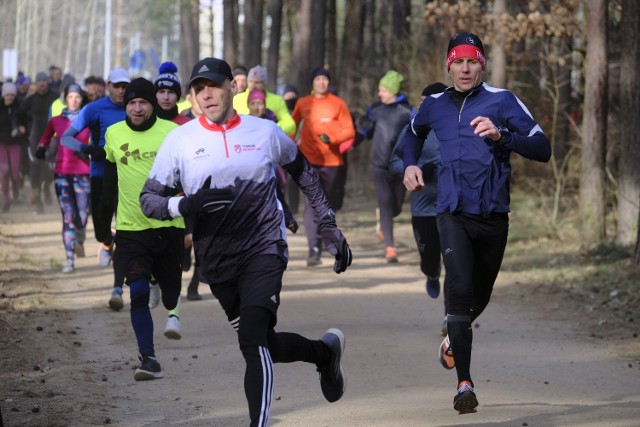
{"x":465,"y":401}
{"x":149,"y":369}
{"x":332,"y":377}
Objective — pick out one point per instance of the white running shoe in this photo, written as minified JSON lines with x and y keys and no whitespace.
{"x":154,"y":296}
{"x":172,"y":329}
{"x":68,"y":267}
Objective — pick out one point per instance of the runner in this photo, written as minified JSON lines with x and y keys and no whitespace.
{"x":97,"y":116}
{"x":225,"y":164}
{"x":71,"y":177}
{"x":478,"y":127}
{"x":146,"y":246}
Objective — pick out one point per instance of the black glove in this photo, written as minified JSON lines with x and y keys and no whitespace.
{"x":335,"y":242}
{"x":96,"y":152}
{"x":206,"y":200}
{"x":289,"y":221}
{"x":81,"y":155}
{"x":41,"y":152}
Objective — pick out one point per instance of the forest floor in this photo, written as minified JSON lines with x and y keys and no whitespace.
{"x":558,"y":345}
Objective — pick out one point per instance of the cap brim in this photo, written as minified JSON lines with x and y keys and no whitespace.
{"x":214,"y":77}
{"x":119,"y":80}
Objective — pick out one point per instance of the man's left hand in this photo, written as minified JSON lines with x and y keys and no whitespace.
{"x":336,"y":244}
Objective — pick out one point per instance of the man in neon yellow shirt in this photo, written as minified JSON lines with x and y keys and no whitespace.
{"x":256,"y":80}
{"x":146,"y":246}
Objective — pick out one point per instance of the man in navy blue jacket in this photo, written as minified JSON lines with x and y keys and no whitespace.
{"x":478,"y":127}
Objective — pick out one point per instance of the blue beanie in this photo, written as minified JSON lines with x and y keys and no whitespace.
{"x":168,"y":78}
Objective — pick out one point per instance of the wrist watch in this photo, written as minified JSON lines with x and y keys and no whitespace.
{"x":330,"y":215}
{"x":505,"y":134}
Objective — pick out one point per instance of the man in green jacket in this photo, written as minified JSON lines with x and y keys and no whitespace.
{"x":256,"y":80}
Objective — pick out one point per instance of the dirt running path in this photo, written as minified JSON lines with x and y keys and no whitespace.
{"x":67,"y":359}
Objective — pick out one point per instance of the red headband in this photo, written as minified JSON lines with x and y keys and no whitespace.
{"x":465,"y":51}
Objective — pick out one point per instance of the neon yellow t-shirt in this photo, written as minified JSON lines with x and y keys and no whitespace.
{"x":133,"y":153}
{"x":56,"y":107}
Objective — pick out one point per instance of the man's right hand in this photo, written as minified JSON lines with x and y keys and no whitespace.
{"x":413,"y":178}
{"x":206,"y":200}
{"x":96,"y":152}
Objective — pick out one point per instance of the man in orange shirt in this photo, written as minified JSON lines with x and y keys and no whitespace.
{"x":324,"y":122}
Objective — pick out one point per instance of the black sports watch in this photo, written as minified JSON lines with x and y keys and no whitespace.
{"x":505,"y":134}
{"x":330,"y":215}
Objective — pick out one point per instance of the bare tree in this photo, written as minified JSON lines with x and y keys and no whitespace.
{"x":629,"y":159}
{"x":592,"y":206}
{"x":331,"y":51}
{"x":299,"y":73}
{"x":273,"y":55}
{"x":189,"y":36}
{"x":252,"y":32}
{"x":498,"y":58}
{"x":351,"y":53}
{"x":316,"y":43}
{"x":230,"y":31}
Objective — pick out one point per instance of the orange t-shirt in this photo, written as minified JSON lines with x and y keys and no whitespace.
{"x":327,"y":115}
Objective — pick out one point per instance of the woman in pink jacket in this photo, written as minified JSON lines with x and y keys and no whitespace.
{"x":71,"y":177}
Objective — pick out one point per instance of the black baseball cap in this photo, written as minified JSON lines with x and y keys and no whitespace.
{"x":213,"y":69}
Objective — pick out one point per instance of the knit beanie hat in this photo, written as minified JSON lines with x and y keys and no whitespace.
{"x":392,"y":81}
{"x":257,"y":73}
{"x":140,"y":88}
{"x":256,"y":94}
{"x":291,"y":88}
{"x":9,"y":88}
{"x":73,"y":87}
{"x":320,"y":72}
{"x":465,"y":45}
{"x":168,"y":78}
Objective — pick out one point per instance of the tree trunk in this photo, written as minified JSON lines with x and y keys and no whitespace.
{"x":332,"y":36}
{"x":498,"y":59}
{"x":629,"y":159}
{"x":592,"y":204}
{"x":300,"y":71}
{"x":563,"y":80}
{"x":252,"y":32}
{"x":316,"y":43}
{"x":189,"y":37}
{"x":351,"y":54}
{"x":230,"y":32}
{"x":273,"y":55}
{"x":88,"y":66}
{"x":401,"y":30}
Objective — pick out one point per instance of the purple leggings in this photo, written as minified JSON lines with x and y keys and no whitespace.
{"x":73,"y":196}
{"x":10,"y":158}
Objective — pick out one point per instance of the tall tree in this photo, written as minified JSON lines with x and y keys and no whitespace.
{"x":316,"y":43}
{"x":252,"y":32}
{"x":332,"y":36}
{"x":351,"y":52}
{"x":629,"y":159}
{"x":275,"y":33}
{"x":498,"y":58}
{"x":400,"y":33}
{"x":592,"y":205}
{"x":189,"y":36}
{"x":230,"y":32}
{"x":299,"y":72}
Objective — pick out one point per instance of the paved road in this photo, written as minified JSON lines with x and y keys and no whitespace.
{"x":530,"y":367}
